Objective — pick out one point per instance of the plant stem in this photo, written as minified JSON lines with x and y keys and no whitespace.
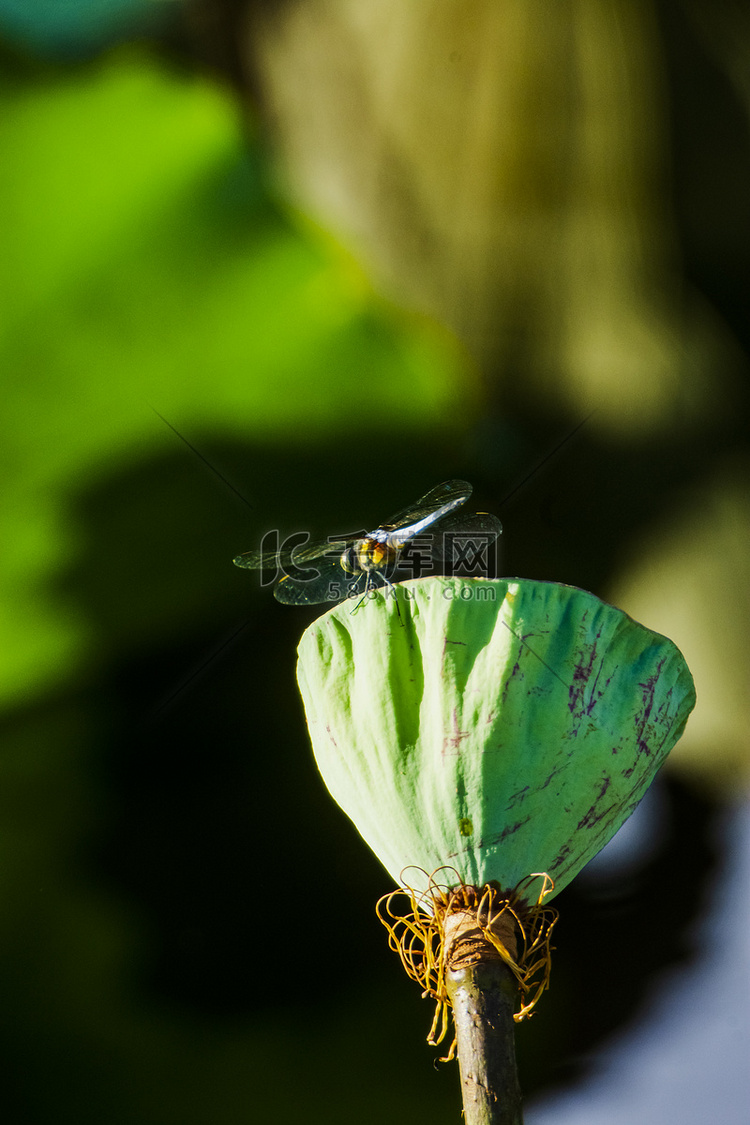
{"x":483,"y":998}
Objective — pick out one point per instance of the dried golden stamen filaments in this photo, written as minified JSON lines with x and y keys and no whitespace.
{"x":453,"y":927}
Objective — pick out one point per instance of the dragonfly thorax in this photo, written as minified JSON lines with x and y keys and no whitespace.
{"x":367,"y":555}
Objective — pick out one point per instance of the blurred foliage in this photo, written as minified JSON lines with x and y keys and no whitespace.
{"x":77,"y":28}
{"x":692,"y":578}
{"x":505,"y":167}
{"x":145,"y":264}
{"x":187,"y":931}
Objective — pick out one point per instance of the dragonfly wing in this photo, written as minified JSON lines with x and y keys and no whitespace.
{"x":310,"y":551}
{"x":454,"y":537}
{"x":448,"y":495}
{"x":328,"y":583}
{"x":287,"y":556}
{"x":290,"y":592}
{"x":263,"y":560}
{"x":483,"y":528}
{"x":477,"y":521}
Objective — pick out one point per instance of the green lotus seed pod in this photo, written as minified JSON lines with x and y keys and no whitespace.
{"x":500,"y":728}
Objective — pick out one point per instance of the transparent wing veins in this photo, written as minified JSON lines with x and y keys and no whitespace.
{"x":450,"y":492}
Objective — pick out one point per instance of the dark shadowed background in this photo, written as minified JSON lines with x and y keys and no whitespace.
{"x":348,"y":249}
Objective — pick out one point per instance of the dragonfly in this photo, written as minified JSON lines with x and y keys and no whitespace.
{"x":356,"y":565}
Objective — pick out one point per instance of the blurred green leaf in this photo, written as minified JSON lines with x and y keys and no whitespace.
{"x":143,"y":262}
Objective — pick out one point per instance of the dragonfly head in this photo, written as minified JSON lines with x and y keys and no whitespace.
{"x":350,"y":558}
{"x":366,"y":555}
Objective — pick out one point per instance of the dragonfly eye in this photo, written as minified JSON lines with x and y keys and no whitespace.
{"x":350,"y":560}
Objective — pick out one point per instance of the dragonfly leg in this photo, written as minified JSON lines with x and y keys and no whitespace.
{"x":372,"y":589}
